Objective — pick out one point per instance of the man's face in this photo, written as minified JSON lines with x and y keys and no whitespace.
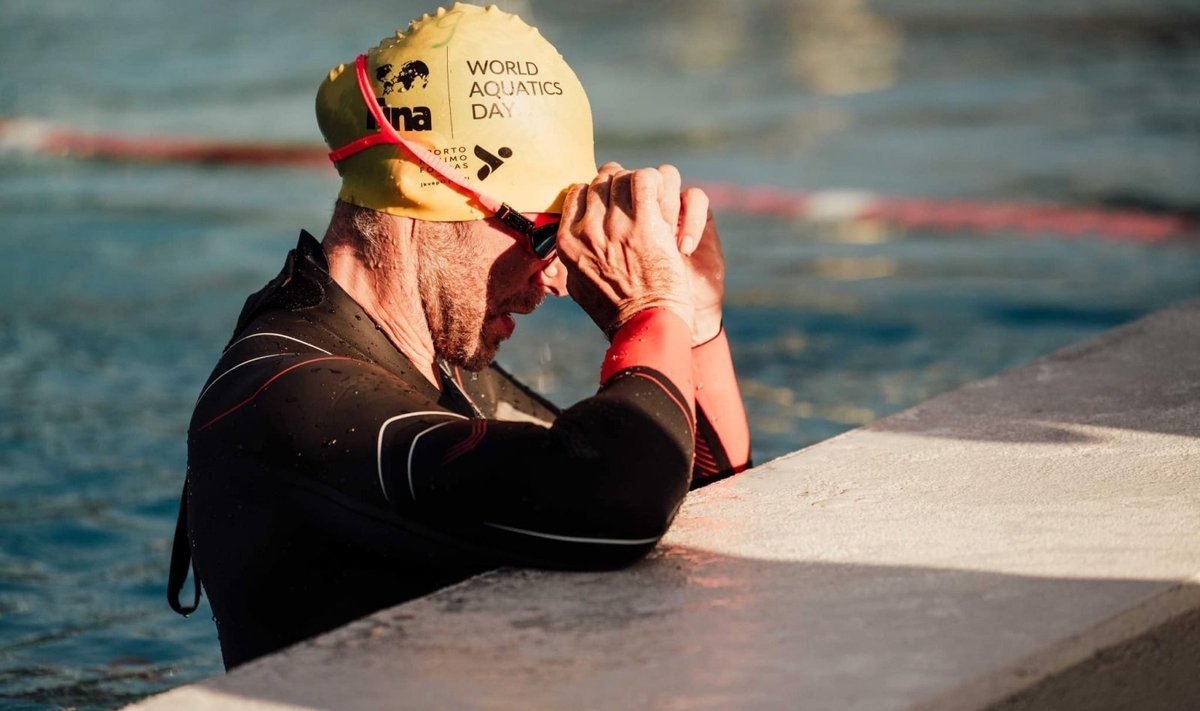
{"x":473,"y":277}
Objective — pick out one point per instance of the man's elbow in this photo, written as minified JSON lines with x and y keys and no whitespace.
{"x":644,"y":505}
{"x":621,"y":524}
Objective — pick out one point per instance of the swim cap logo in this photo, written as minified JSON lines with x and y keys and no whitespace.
{"x":408,"y":75}
{"x":492,"y":163}
{"x":403,"y":118}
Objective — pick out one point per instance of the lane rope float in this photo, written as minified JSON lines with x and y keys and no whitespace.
{"x":949,"y":214}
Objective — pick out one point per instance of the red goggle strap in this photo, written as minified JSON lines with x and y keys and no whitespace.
{"x":387,"y":134}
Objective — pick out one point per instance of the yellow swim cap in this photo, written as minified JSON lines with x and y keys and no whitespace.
{"x":485,"y":93}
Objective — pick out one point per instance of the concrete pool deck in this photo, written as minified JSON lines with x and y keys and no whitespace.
{"x":1031,"y":540}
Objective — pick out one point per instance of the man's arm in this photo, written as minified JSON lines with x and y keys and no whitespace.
{"x":722,"y":434}
{"x":597,"y":488}
{"x":603,"y":483}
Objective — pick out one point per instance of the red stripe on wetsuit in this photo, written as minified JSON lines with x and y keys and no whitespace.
{"x":263,"y":387}
{"x":478,"y":429}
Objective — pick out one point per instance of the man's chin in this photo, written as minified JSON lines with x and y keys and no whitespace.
{"x":495,"y":330}
{"x":481,"y":357}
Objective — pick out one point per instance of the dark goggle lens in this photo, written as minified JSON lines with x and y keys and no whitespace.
{"x":543,"y":240}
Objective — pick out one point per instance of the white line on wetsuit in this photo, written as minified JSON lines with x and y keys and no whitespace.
{"x":411,"y":447}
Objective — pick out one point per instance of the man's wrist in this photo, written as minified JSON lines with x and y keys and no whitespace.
{"x":628,"y":310}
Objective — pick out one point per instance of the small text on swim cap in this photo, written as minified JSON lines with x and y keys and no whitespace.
{"x":496,"y":66}
{"x":515,"y":88}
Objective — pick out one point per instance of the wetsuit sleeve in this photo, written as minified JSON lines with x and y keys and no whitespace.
{"x":722,"y":435}
{"x":598,"y":487}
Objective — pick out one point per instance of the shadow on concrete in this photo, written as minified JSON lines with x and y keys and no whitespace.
{"x":692,"y":629}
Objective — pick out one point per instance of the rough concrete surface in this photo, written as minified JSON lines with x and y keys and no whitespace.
{"x":983,"y":544}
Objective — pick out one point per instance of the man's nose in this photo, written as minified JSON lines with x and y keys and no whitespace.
{"x":553,"y":277}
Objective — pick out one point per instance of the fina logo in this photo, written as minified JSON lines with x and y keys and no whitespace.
{"x":405,"y":78}
{"x":403,"y":118}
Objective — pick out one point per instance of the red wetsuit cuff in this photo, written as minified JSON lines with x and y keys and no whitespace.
{"x":655,"y":338}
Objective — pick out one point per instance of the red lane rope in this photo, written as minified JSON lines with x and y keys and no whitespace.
{"x":950,"y":214}
{"x":37,"y":137}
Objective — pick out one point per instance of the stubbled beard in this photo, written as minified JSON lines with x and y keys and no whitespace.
{"x":453,"y":281}
{"x":455,"y":326}
{"x":459,"y":336}
{"x":455,"y":303}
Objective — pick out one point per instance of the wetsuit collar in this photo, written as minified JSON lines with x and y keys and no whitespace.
{"x":305,"y":290}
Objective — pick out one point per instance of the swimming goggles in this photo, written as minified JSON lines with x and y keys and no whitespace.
{"x":540,"y":238}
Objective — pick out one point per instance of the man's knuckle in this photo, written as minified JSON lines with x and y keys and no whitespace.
{"x":646,"y":175}
{"x":591,"y":228}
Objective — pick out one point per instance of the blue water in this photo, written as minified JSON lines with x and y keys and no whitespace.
{"x":121,"y":282}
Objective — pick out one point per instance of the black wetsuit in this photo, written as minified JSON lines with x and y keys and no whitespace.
{"x":327,"y":478}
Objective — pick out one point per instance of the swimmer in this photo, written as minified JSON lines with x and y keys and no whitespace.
{"x":355,"y":445}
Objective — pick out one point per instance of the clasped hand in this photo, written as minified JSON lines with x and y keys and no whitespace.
{"x":632,"y":240}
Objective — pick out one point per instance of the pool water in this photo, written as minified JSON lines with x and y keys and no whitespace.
{"x":121,"y":282}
